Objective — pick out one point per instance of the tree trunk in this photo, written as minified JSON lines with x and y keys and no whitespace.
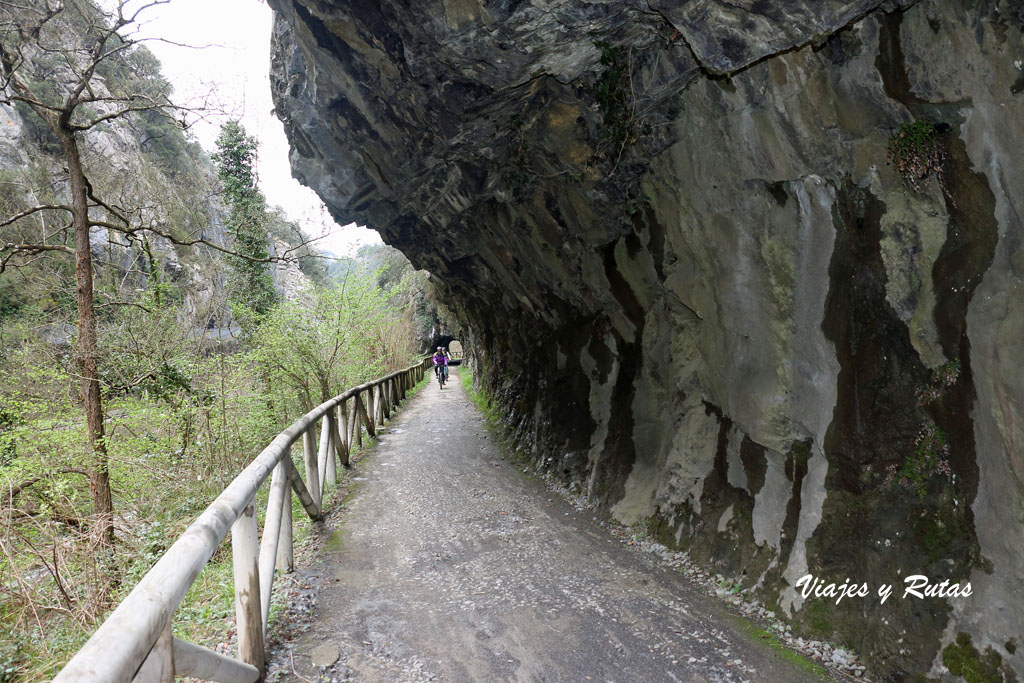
{"x":99,"y":476}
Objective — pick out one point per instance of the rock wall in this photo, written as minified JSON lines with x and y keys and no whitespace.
{"x":701,"y":291}
{"x":122,"y":172}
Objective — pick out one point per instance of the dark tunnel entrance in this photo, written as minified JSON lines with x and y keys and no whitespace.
{"x":453,"y":345}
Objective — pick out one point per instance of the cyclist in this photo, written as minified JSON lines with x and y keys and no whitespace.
{"x":441,"y":365}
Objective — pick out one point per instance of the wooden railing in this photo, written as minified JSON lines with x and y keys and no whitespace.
{"x":135,"y":641}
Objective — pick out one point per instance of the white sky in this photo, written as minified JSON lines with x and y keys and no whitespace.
{"x":232,"y":60}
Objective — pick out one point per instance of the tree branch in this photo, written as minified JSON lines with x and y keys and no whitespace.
{"x":35,"y":209}
{"x":14,"y":491}
{"x":78,"y":127}
{"x":123,"y":303}
{"x":33,"y":249}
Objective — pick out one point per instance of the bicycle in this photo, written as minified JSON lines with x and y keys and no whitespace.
{"x":441,"y":371}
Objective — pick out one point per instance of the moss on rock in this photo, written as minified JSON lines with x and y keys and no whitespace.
{"x":963,"y":659}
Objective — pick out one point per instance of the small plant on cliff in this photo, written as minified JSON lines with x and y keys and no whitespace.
{"x":929,"y":457}
{"x":516,"y":174}
{"x":916,"y":150}
{"x":613,"y":91}
{"x":943,"y":377}
{"x":963,"y":659}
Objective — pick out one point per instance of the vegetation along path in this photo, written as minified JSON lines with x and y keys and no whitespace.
{"x":449,"y":564}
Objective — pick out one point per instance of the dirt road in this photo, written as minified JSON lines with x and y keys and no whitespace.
{"x":450,"y":564}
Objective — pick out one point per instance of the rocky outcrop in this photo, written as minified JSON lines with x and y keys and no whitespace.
{"x":120,"y":170}
{"x":748,"y":274}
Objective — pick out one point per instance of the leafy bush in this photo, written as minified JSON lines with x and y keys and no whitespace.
{"x":917,"y":152}
{"x":331,"y":340}
{"x":10,"y":658}
{"x":930,"y":457}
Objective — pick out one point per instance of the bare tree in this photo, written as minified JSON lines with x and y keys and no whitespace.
{"x":53,"y":54}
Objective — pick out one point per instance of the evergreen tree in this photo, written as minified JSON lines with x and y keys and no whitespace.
{"x":252,"y":287}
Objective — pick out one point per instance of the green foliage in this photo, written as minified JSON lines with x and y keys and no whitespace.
{"x":916,"y":150}
{"x":768,"y":638}
{"x":10,"y":658}
{"x":930,"y":457}
{"x":134,"y":73}
{"x":166,"y":465}
{"x":162,"y":138}
{"x":409,"y":288}
{"x":180,"y":423}
{"x":963,"y":659}
{"x":943,"y":378}
{"x":166,"y":382}
{"x":613,"y":91}
{"x":10,"y":418}
{"x":208,"y":607}
{"x":478,"y":397}
{"x":916,"y":137}
{"x":252,"y":287}
{"x":36,"y":131}
{"x":939,"y":530}
{"x":333,"y":339}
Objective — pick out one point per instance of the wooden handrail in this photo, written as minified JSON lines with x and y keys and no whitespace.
{"x":134,"y":643}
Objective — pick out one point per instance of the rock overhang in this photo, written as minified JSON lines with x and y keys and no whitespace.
{"x":632,"y":206}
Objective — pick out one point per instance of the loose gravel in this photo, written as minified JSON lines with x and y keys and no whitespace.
{"x":447,"y":563}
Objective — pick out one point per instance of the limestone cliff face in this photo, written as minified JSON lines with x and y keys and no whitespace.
{"x":700,"y":291}
{"x":120,"y":169}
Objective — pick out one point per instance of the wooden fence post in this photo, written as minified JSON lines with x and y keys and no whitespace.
{"x":370,"y":411}
{"x":385,"y":393}
{"x":342,"y":430}
{"x":332,"y":451}
{"x":352,"y":420}
{"x":336,"y":448}
{"x":245,"y":560}
{"x":378,"y":404}
{"x":285,"y":552}
{"x":136,"y":639}
{"x":325,"y":455}
{"x":310,"y":455}
{"x":357,"y":426}
{"x":271,"y":537}
{"x":367,"y":412}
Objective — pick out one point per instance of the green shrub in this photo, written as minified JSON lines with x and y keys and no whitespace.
{"x":916,"y":150}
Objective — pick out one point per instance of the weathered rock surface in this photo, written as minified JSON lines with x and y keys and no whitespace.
{"x":697,"y":287}
{"x":119,"y":169}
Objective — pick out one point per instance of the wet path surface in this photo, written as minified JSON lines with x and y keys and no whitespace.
{"x":449,"y":564}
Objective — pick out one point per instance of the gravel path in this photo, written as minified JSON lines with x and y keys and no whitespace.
{"x":449,"y":564}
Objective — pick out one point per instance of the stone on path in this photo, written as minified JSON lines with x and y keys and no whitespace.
{"x":325,"y":655}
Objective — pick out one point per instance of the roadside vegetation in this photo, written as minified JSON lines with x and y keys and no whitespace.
{"x":211,"y":324}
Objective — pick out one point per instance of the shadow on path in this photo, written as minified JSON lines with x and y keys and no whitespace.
{"x":450,"y":565}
